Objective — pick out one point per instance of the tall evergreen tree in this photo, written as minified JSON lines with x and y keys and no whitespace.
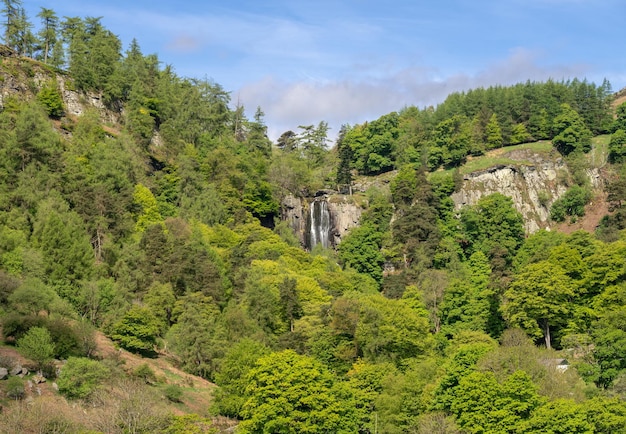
{"x":48,"y":32}
{"x":11,"y":13}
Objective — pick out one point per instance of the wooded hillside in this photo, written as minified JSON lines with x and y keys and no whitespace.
{"x":151,"y":212}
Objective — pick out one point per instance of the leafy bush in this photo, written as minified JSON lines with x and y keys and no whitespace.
{"x":572,"y":203}
{"x":50,"y":97}
{"x":173,"y":393}
{"x":15,"y":388}
{"x":81,"y":377}
{"x":145,"y":373}
{"x":37,"y":345}
{"x":137,"y":330}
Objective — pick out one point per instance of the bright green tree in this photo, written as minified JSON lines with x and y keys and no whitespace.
{"x":290,"y":393}
{"x":149,"y":207}
{"x":37,"y":345}
{"x":81,"y":377}
{"x":137,"y":331}
{"x":539,"y":299}
{"x":360,"y":250}
{"x":493,"y":133}
{"x":232,"y":376}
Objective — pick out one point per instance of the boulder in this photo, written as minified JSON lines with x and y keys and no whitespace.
{"x":17,"y":370}
{"x":4,"y":373}
{"x":38,"y":378}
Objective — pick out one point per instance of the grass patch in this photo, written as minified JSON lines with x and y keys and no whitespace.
{"x":501,"y":156}
{"x":599,"y":150}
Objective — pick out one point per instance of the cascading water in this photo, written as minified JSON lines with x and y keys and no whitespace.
{"x":319,"y":220}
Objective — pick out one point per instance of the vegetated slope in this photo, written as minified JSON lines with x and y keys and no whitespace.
{"x":150,"y":229}
{"x":195,"y":398}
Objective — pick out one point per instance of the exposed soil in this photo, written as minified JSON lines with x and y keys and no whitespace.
{"x":594,"y":212}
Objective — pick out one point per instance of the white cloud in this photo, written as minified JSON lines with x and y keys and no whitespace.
{"x":289,"y":104}
{"x":183,"y":44}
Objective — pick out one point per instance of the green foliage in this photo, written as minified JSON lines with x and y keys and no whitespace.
{"x":292,"y":393}
{"x":617,"y":146}
{"x":453,"y":138}
{"x":37,"y":345}
{"x":571,"y":132}
{"x":361,"y":250}
{"x":81,"y":377}
{"x":50,"y":97}
{"x":538,"y":299}
{"x":198,"y":337}
{"x":149,"y":210}
{"x":137,"y":330}
{"x":494,"y":133}
{"x":145,"y":373}
{"x":173,"y":392}
{"x":32,"y":297}
{"x":189,"y":424}
{"x":14,"y":388}
{"x":493,"y":227}
{"x":620,"y":117}
{"x":481,"y":404}
{"x":520,"y":134}
{"x":572,"y":203}
{"x":232,"y":376}
{"x":372,"y":144}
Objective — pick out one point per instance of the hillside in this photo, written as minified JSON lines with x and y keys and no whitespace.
{"x":162,"y":261}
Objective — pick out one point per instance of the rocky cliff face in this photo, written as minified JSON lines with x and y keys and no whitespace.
{"x":22,"y":78}
{"x":533,"y":185}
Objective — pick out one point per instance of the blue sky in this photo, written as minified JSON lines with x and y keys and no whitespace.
{"x":351,"y":61}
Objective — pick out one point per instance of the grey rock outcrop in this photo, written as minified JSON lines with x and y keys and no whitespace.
{"x":532,"y":185}
{"x":4,"y":373}
{"x":532,"y":189}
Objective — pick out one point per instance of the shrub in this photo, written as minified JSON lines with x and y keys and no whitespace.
{"x":572,"y":203}
{"x":37,"y":345}
{"x":15,"y":388}
{"x":145,"y":373}
{"x":137,"y":330}
{"x":81,"y":377}
{"x":50,"y":98}
{"x":173,"y":393}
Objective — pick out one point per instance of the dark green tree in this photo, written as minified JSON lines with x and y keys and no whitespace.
{"x":290,"y":306}
{"x":344,"y":170}
{"x":571,"y":133}
{"x":617,"y":147}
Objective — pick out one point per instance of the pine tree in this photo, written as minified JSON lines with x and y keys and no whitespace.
{"x":48,"y":33}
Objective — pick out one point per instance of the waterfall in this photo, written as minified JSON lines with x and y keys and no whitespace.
{"x":319,"y":218}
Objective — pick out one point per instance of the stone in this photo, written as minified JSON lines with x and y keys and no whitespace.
{"x":38,"y":378}
{"x":4,"y":373}
{"x":17,"y":370}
